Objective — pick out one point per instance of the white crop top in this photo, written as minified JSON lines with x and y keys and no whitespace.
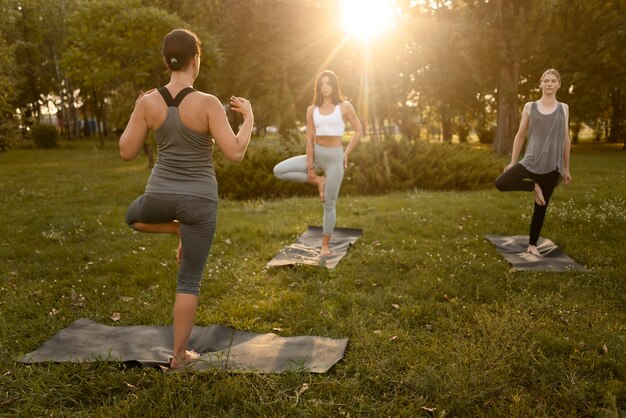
{"x":328,"y":125}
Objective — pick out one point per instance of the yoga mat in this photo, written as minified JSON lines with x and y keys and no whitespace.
{"x":552,"y":258}
{"x":220,"y":348}
{"x":306,"y":249}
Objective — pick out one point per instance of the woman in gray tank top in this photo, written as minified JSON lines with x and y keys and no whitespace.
{"x":546,"y":160}
{"x":181,"y":195}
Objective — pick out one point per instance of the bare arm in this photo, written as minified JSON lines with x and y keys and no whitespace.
{"x":233,"y":146}
{"x":310,"y":140}
{"x":567,"y":145}
{"x":350,"y":115}
{"x":136,"y":130}
{"x":520,"y":137}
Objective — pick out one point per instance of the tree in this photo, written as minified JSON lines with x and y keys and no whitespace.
{"x":114,"y":44}
{"x":8,"y":123}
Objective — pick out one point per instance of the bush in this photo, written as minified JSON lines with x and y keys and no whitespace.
{"x":8,"y":133}
{"x":375,"y":168}
{"x":45,"y":136}
{"x":486,"y":135}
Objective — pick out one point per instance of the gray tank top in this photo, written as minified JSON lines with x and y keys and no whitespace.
{"x":544,"y":152}
{"x":185,"y":158}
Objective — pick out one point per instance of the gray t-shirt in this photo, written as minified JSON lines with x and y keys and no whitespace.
{"x":546,"y":133}
{"x":185,"y":160}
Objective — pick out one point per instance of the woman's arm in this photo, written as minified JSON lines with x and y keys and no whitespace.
{"x":520,"y":137}
{"x":136,"y":130}
{"x":350,"y":115}
{"x":567,"y":145}
{"x":233,"y":146}
{"x":310,"y":140}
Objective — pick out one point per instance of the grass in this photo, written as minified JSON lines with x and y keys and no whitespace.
{"x":439,"y":324}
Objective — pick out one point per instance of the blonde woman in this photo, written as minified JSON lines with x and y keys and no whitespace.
{"x":546,"y":160}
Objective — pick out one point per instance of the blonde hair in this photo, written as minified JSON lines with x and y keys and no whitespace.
{"x":553,"y":72}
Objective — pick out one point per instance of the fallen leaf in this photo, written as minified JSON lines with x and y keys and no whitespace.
{"x":395,"y":305}
{"x":302,"y":389}
{"x":132,"y":388}
{"x":116,"y":316}
{"x":446,"y":298}
{"x":227,"y":241}
{"x":395,"y":337}
{"x":277,"y":329}
{"x":126,"y":298}
{"x":54,"y":312}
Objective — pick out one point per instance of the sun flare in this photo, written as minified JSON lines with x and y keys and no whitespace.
{"x":365,"y":19}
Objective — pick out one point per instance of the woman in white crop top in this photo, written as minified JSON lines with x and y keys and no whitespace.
{"x":325,"y":125}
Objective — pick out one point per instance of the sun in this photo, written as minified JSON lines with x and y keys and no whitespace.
{"x":365,"y":19}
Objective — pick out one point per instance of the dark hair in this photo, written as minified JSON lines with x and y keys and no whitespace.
{"x":179,"y":48}
{"x":334,"y":82}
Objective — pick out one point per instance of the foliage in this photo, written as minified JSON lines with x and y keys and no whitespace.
{"x":45,"y":136}
{"x":8,"y":124}
{"x":8,"y":133}
{"x":436,"y":319}
{"x":375,"y":168}
{"x":446,"y":67}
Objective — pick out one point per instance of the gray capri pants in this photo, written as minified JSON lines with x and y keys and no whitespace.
{"x":198,"y":219}
{"x":330,"y":161}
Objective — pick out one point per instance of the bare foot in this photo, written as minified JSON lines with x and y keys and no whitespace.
{"x":532,"y":249}
{"x":190,"y":358}
{"x":179,"y":251}
{"x":325,"y":251}
{"x":539,"y":196}
{"x":321,"y":182}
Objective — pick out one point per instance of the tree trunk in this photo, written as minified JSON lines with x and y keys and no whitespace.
{"x":507,"y":108}
{"x":575,"y":132}
{"x":508,"y":79}
{"x":616,"y":116}
{"x":446,"y":126}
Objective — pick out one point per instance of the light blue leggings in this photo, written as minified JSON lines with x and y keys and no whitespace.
{"x":330,"y":161}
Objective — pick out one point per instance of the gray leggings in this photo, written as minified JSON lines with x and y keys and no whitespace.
{"x":197,"y":217}
{"x":330,"y":161}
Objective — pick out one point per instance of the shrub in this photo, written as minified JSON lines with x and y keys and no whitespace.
{"x":8,"y":133}
{"x":486,"y":135}
{"x":375,"y":168}
{"x":45,"y":136}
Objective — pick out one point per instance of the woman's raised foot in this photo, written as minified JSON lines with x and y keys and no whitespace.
{"x":539,"y":199}
{"x":320,"y":181}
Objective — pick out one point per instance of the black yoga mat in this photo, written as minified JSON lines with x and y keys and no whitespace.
{"x":220,"y":348}
{"x":552,"y":258}
{"x":306,"y":249}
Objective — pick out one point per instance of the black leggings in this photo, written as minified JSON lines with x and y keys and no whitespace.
{"x":197,"y":217}
{"x":517,"y":178}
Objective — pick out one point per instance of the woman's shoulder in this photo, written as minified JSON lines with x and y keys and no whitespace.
{"x":205,"y":99}
{"x":528,"y":106}
{"x":346,"y":108}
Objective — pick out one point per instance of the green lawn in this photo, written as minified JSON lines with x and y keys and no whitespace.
{"x":439,"y":324}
